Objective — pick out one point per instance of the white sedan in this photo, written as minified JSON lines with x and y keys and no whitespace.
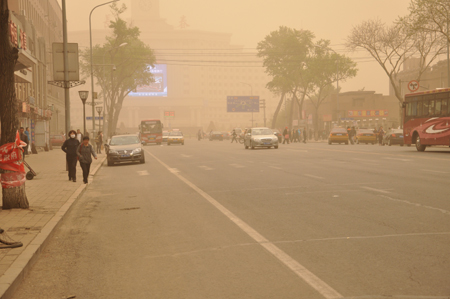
{"x":260,"y":137}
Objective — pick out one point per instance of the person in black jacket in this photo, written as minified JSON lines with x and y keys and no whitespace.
{"x":70,"y":147}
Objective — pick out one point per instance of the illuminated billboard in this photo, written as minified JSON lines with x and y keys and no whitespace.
{"x":158,"y":88}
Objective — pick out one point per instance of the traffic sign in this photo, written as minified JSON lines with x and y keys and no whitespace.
{"x":96,"y":118}
{"x":243,"y":104}
{"x":413,"y":85}
{"x":169,"y":114}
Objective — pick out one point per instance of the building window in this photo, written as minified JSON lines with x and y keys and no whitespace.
{"x":358,"y":102}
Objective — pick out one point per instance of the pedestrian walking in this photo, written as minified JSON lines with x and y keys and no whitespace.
{"x":27,"y":132}
{"x":79,"y":136}
{"x":85,"y":153}
{"x":286,"y":135}
{"x":25,"y":139}
{"x":70,"y":147}
{"x":99,"y":141}
{"x":380,"y":136}
{"x":234,"y":135}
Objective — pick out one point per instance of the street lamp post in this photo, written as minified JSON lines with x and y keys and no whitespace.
{"x":92,"y":69}
{"x":99,"y":111}
{"x":83,"y":96}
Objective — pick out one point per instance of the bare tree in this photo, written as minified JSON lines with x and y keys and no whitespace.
{"x":12,"y":197}
{"x":392,"y":45}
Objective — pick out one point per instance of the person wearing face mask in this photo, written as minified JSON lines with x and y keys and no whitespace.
{"x":85,"y":153}
{"x":70,"y":147}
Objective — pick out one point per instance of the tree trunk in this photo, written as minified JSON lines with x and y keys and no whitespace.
{"x":13,"y":197}
{"x":275,"y":115}
{"x":291,"y":114}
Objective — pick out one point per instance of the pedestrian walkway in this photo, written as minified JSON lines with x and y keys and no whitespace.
{"x":50,"y":195}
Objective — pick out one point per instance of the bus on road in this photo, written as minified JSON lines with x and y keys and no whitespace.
{"x":426,"y":118}
{"x":151,"y":131}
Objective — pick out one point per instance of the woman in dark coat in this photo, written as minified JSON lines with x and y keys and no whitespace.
{"x":70,"y":147}
{"x":85,"y":153}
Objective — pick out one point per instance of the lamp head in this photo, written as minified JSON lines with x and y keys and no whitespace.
{"x":83,"y":95}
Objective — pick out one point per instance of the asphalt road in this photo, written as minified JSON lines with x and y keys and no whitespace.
{"x":212,"y":220}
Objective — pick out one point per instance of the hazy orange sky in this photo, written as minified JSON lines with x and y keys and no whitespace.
{"x":250,"y":20}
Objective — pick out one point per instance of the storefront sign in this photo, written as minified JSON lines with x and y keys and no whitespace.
{"x":25,"y":107}
{"x":18,"y":36}
{"x":327,"y":117}
{"x":364,"y":113}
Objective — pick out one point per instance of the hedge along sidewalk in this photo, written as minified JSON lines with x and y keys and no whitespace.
{"x":50,"y":195}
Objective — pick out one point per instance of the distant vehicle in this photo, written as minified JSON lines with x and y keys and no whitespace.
{"x":216,"y":135}
{"x":338,"y":135}
{"x":260,"y":137}
{"x":165,"y":134}
{"x":124,"y":148}
{"x":277,"y":133}
{"x":175,"y":137}
{"x":365,"y":136}
{"x":57,"y":140}
{"x":426,"y":118}
{"x":151,"y":131}
{"x":394,"y":136}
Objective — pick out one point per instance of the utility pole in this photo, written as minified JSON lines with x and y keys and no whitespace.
{"x":66,"y":70}
{"x":262,"y":104}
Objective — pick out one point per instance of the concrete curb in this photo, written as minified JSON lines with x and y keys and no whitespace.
{"x":14,"y":276}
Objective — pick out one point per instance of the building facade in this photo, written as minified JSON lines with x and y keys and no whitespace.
{"x":203,"y":68}
{"x":34,"y":26}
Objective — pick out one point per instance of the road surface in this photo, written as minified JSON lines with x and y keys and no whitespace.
{"x":213,"y":220}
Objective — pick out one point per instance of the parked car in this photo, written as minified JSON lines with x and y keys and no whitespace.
{"x":277,"y":133}
{"x":338,"y":135}
{"x":57,"y":140}
{"x":365,"y":136}
{"x":394,"y":136}
{"x":124,"y":148}
{"x":216,"y":135}
{"x":175,"y":137}
{"x":226,"y":135}
{"x":260,"y":137}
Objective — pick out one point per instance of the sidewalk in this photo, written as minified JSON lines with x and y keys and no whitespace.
{"x":50,"y":195}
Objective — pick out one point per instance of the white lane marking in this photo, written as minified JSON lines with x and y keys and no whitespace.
{"x":275,"y":167}
{"x":435,"y":171}
{"x":237,"y":165}
{"x":376,"y":190}
{"x":143,"y":172}
{"x":315,"y":282}
{"x":173,"y":170}
{"x":321,"y":191}
{"x":206,"y":168}
{"x":313,"y":176}
{"x":416,"y":204}
{"x":397,"y":159}
{"x":186,"y":156}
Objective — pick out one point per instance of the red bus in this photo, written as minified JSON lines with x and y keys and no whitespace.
{"x":426,"y":118}
{"x":151,"y":131}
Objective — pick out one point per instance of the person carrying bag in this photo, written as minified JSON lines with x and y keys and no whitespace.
{"x":85,"y":153}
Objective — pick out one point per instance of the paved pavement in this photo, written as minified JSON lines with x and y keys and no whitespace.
{"x":50,"y":195}
{"x":212,"y":220}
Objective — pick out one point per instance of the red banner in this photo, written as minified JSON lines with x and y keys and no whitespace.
{"x":10,"y":159}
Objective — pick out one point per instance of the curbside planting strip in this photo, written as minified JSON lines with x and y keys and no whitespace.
{"x":15,"y":274}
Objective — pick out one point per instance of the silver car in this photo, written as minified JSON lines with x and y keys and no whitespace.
{"x":260,"y":137}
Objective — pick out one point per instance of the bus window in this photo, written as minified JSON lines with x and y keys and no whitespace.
{"x":444,"y":108}
{"x":414,"y":109}
{"x":431,"y":105}
{"x":408,"y":109}
{"x":426,"y":108}
{"x":437,"y":110}
{"x":419,"y":108}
